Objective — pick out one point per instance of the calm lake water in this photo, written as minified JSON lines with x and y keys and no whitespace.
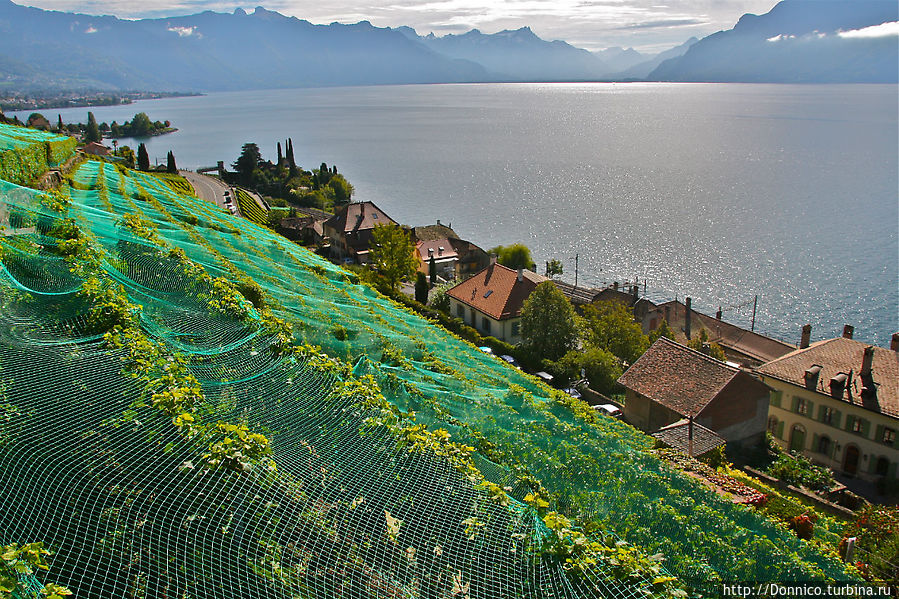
{"x":716,"y":191}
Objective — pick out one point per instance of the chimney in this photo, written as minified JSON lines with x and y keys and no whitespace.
{"x":838,"y":384}
{"x":615,"y":285}
{"x":492,"y":259}
{"x":848,"y":330}
{"x":894,"y":344}
{"x":520,"y":274}
{"x":811,"y":377}
{"x":718,"y":313}
{"x":438,"y":222}
{"x":867,"y":361}
{"x":687,"y":317}
{"x":806,"y":336}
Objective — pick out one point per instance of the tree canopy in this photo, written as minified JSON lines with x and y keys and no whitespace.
{"x":514,"y":256}
{"x":548,"y":322}
{"x":92,"y":132}
{"x":247,"y":162}
{"x":143,"y":159}
{"x":610,"y":326}
{"x":392,"y":255}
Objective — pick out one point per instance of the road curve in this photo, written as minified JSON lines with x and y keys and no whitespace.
{"x":212,"y":190}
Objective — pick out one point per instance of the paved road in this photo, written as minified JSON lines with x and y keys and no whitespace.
{"x":211,"y":190}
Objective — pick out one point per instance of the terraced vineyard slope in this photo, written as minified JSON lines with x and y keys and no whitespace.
{"x":192,"y":406}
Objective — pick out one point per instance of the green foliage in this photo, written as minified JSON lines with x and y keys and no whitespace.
{"x":248,"y":162}
{"x":341,"y":189}
{"x":601,"y":367}
{"x":553,"y":268}
{"x":141,"y":126}
{"x":876,"y":529}
{"x":421,"y":288}
{"x":92,"y":132}
{"x":701,"y":344}
{"x":171,"y":167}
{"x":392,"y":255}
{"x":514,"y":256}
{"x":18,"y":561}
{"x":610,"y":326}
{"x":237,"y":449}
{"x":548,"y":324}
{"x":439,"y":298}
{"x":796,"y":469}
{"x":663,"y":330}
{"x":143,"y":159}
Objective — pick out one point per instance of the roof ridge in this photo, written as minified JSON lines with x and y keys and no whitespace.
{"x":706,"y":357}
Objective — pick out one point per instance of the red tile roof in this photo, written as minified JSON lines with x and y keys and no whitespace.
{"x":358,"y":216}
{"x":496,"y":291}
{"x":442,"y":249}
{"x":842,"y":355}
{"x":679,"y":378}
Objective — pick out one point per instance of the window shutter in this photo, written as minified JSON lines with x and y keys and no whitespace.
{"x":849,"y":420}
{"x":872,"y":463}
{"x":795,"y":407}
{"x":836,"y":419}
{"x":815,"y":443}
{"x":780,"y":430}
{"x":775,"y":398}
{"x":810,"y":408}
{"x":878,"y":435}
{"x":821,"y":413}
{"x":866,"y":427}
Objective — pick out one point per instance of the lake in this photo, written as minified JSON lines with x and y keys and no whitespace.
{"x":720,"y":192}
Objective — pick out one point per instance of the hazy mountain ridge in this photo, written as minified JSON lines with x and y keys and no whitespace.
{"x":798,"y":41}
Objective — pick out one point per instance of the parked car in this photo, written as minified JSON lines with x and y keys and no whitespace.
{"x":486,"y":350}
{"x":573,"y":392}
{"x":511,"y":360}
{"x":609,"y":410}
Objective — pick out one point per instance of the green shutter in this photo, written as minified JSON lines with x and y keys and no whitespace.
{"x":821,"y":413}
{"x":891,"y":472}
{"x":795,"y":407}
{"x":780,"y":429}
{"x":866,"y":427}
{"x":775,"y":398}
{"x":849,"y":420}
{"x":835,"y":421}
{"x":872,"y":463}
{"x":810,"y":409}
{"x":878,"y":436}
{"x":815,"y":443}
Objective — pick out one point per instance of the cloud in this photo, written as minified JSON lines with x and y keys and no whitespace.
{"x":91,"y":29}
{"x":882,"y":30}
{"x":183,"y":31}
{"x":666,"y":23}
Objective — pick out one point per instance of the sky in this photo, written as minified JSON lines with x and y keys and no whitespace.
{"x":646,"y":25}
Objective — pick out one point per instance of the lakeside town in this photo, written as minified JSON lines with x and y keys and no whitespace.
{"x":801,"y":433}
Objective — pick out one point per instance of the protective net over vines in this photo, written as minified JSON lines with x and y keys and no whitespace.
{"x":168,"y":430}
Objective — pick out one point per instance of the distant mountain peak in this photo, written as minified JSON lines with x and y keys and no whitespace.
{"x":239,"y":12}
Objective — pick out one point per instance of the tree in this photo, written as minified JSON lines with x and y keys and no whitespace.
{"x":291,"y":163}
{"x":432,"y":270}
{"x":60,"y":128}
{"x":171,"y":167}
{"x":514,"y":256}
{"x":128,"y":154}
{"x":610,"y":326}
{"x":115,"y":130}
{"x":553,"y":268}
{"x":343,"y":191}
{"x":141,"y":125}
{"x":439,"y":298}
{"x":392,"y":255}
{"x":701,"y":344}
{"x":421,"y":288}
{"x":663,"y":330}
{"x":602,"y":368}
{"x":248,"y":162}
{"x":280,"y":156}
{"x":548,"y":322}
{"x":92,"y":133}
{"x":143,"y":159}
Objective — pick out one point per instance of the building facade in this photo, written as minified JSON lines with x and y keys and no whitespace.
{"x":837,"y":403}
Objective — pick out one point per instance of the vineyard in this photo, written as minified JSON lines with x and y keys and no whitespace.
{"x":250,"y":209}
{"x":192,"y":406}
{"x":26,"y":153}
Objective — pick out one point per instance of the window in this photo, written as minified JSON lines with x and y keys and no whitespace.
{"x":460,"y":310}
{"x":889,"y":436}
{"x":485,"y":324}
{"x":802,"y":407}
{"x":827,"y":415}
{"x":772,"y":425}
{"x":516,"y":328}
{"x":856,"y":426}
{"x":882,"y":466}
{"x":824,"y":445}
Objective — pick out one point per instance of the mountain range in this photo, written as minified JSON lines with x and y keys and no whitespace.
{"x":797,"y":41}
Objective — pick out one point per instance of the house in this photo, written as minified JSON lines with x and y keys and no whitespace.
{"x":491,"y":300}
{"x":837,"y":402}
{"x":671,"y":382}
{"x":350,"y":230}
{"x":442,"y":252}
{"x":740,"y":345}
{"x":457,"y":259}
{"x":95,"y":149}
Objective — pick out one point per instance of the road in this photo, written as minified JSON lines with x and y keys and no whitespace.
{"x":211,"y":190}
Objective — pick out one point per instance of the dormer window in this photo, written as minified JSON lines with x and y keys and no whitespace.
{"x":487,"y":293}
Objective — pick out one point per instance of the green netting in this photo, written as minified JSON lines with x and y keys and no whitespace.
{"x":123,"y":497}
{"x":27,"y":153}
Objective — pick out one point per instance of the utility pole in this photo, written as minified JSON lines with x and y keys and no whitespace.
{"x":575,"y":270}
{"x":755,"y":303}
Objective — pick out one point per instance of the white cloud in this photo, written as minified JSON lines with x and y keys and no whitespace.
{"x":882,"y":30}
{"x":91,"y":29}
{"x":183,"y":31}
{"x":777,"y":38}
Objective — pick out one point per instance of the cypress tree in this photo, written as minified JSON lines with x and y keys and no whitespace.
{"x":143,"y":159}
{"x":280,"y":156}
{"x":171,"y":167}
{"x":432,"y":270}
{"x":290,"y":159}
{"x":59,"y":126}
{"x":421,"y":288}
{"x":93,"y":131}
